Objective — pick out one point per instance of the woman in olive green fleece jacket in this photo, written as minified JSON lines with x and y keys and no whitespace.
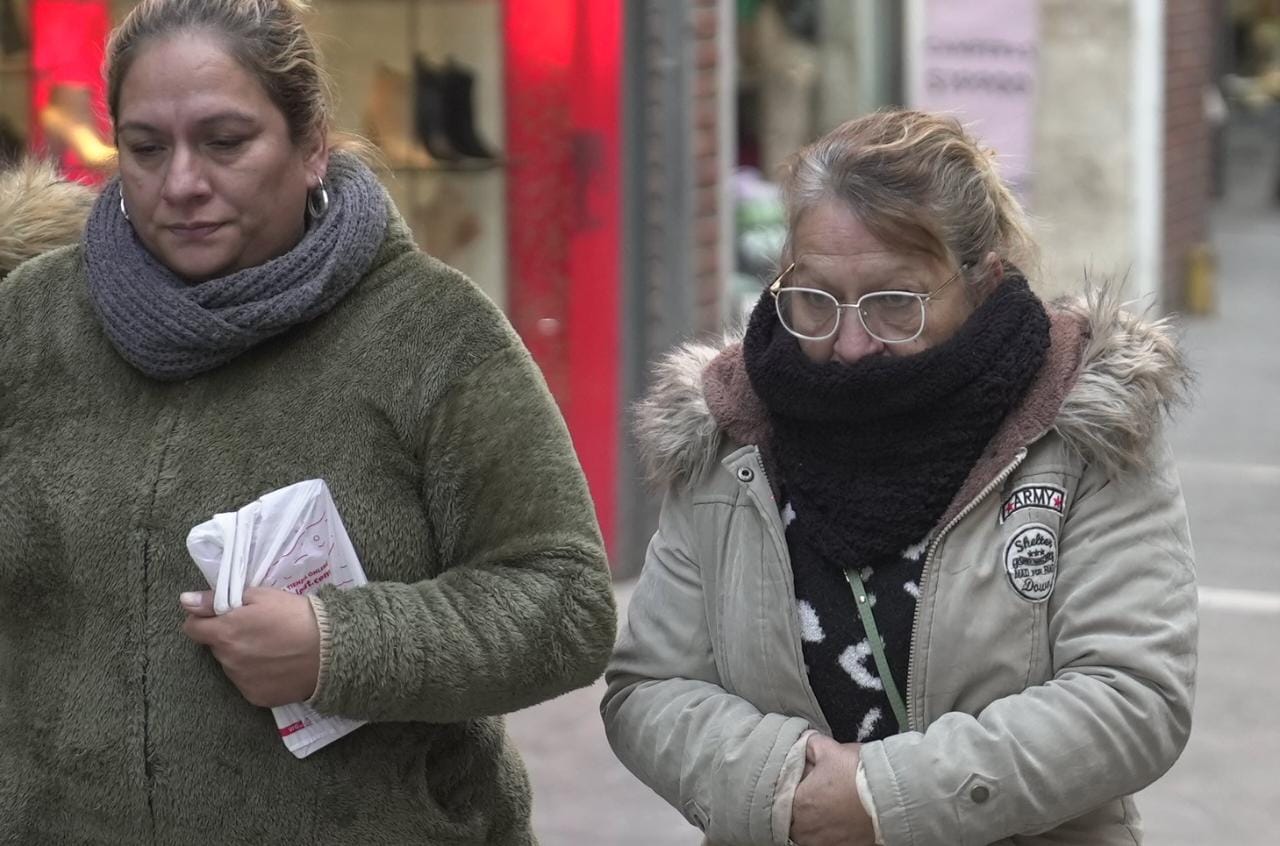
{"x":201,"y":347}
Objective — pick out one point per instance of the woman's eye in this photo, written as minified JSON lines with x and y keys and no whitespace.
{"x":225,"y":144}
{"x":144,"y":149}
{"x":894,"y":301}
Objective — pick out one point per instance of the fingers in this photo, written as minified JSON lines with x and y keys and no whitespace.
{"x":810,"y":755}
{"x":256,"y":595}
{"x":819,"y":747}
{"x":201,"y":624}
{"x":197,"y":603}
{"x":203,"y":630}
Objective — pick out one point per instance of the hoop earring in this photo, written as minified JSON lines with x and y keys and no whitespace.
{"x":318,"y":201}
{"x":123,"y":210}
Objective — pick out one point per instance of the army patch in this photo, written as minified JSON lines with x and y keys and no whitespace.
{"x":1031,"y":560}
{"x":1050,"y":497}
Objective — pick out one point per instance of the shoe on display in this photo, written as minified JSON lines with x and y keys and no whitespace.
{"x":458,"y":86}
{"x":430,"y":119}
{"x":387,"y":119}
{"x":69,"y":123}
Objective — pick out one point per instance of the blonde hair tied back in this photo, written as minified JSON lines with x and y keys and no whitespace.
{"x":917,"y":181}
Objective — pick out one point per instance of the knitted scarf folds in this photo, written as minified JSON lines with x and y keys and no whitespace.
{"x":171,"y":329}
{"x":870,"y":455}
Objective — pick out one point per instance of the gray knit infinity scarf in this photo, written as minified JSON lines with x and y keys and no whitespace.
{"x":171,"y":329}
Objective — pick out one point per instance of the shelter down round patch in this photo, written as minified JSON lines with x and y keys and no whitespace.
{"x":1031,"y":561}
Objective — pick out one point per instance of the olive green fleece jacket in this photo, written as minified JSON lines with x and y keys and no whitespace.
{"x":454,"y":474}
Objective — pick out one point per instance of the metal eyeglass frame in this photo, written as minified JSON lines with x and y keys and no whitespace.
{"x":776,"y":287}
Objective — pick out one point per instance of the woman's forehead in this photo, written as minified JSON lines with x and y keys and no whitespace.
{"x":830,"y":236}
{"x":862,"y":262}
{"x":186,"y":67}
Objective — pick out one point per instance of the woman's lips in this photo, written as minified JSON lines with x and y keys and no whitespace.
{"x":194,"y":231}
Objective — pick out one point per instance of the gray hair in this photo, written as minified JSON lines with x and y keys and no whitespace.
{"x":267,"y":38}
{"x":917,"y":181}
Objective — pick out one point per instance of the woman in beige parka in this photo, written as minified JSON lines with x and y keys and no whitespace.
{"x":922,"y":576}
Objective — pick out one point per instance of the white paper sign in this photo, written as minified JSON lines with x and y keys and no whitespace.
{"x":977,"y":59}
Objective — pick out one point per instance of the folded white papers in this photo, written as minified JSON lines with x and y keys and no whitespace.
{"x":292,"y":539}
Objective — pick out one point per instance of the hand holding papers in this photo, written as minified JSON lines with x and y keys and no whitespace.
{"x":293,"y":540}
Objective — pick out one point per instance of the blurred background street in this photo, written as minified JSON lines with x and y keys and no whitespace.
{"x":1226,"y":786}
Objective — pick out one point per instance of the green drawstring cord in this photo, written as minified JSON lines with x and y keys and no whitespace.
{"x":863,"y":601}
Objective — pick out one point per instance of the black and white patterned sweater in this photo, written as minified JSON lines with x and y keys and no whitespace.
{"x":837,"y":653}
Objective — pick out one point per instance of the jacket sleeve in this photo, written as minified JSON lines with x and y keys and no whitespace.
{"x":1122,"y":624}
{"x":523,"y":611}
{"x":712,"y":755}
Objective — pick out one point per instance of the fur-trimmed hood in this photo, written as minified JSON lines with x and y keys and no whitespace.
{"x":1110,"y":378}
{"x":39,"y":211}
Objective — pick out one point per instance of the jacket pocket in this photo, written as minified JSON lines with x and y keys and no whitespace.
{"x":740,"y":588}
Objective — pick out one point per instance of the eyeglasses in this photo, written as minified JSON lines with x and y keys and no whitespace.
{"x":892,"y":317}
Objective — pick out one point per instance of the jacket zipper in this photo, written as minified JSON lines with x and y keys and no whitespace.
{"x":764,"y":474}
{"x":912,"y":699}
{"x":148,"y":766}
{"x":148,"y":769}
{"x":772,"y":520}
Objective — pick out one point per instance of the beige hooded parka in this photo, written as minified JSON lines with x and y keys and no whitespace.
{"x":1054,"y":649}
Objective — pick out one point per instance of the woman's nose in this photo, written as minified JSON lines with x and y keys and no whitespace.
{"x":852,"y":341}
{"x":185,"y":179}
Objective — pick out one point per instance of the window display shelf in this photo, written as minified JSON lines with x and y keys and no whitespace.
{"x":421,"y":80}
{"x":421,"y":109}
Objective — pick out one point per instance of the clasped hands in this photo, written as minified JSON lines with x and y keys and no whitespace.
{"x":826,"y":810}
{"x":269,"y":647}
